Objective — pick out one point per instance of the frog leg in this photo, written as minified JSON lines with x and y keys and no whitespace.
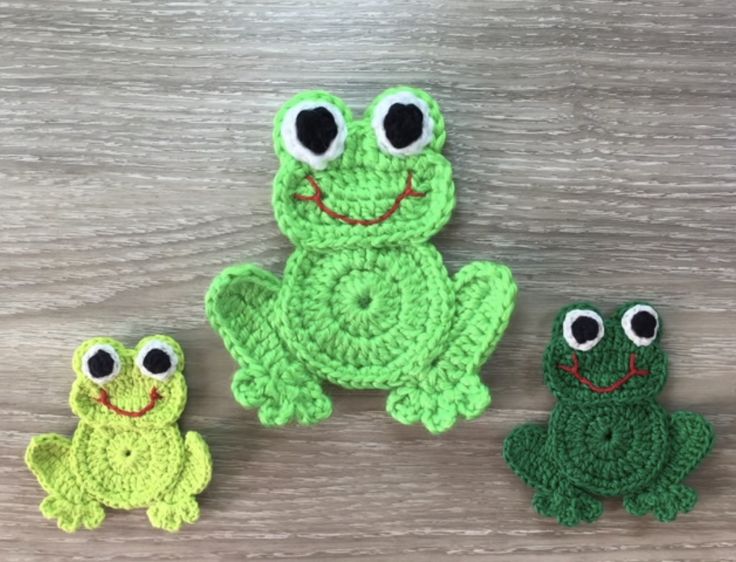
{"x":49,"y":458}
{"x":241,"y":306}
{"x":691,"y":438}
{"x":178,"y":506}
{"x":526,"y":451}
{"x":451,"y":386}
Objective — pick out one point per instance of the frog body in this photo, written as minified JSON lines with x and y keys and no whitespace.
{"x":607,"y":435}
{"x":367,"y":293}
{"x":365,"y":300}
{"x":127,"y":451}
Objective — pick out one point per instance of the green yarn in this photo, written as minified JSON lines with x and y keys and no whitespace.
{"x":607,"y":435}
{"x":365,"y":300}
{"x":127,"y":451}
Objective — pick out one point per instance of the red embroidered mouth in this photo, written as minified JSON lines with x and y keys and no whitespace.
{"x":574,"y":370}
{"x":104,"y":399}
{"x":317,"y":198}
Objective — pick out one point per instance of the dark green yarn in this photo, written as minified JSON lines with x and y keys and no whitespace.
{"x":607,"y":435}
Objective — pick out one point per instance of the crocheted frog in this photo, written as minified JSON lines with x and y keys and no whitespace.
{"x":607,"y":435}
{"x":365,"y":300}
{"x":127,"y":451}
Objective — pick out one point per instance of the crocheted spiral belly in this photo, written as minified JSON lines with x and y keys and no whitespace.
{"x":607,"y":449}
{"x":127,"y":468}
{"x":369,"y":317}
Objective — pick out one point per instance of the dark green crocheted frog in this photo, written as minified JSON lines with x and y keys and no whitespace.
{"x":607,"y":435}
{"x":365,"y":300}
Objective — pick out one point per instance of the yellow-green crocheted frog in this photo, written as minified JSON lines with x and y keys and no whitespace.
{"x":127,"y":451}
{"x":365,"y":300}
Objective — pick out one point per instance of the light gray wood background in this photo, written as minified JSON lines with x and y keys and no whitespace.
{"x":594,"y":152}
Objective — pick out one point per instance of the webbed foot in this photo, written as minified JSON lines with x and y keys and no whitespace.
{"x":438,"y":406}
{"x":525,"y":451}
{"x":451,"y":386}
{"x":48,"y":457}
{"x":171,"y":516}
{"x":664,"y":503}
{"x":241,"y":306}
{"x":70,"y":516}
{"x":691,"y":438}
{"x":280,"y":400}
{"x":570,"y":508}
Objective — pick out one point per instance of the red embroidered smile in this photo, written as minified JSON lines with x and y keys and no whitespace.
{"x":574,"y":370}
{"x":104,"y":399}
{"x":317,"y":198}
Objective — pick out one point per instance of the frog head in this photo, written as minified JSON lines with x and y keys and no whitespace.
{"x":376,"y":181}
{"x":616,"y":360}
{"x":140,"y":387}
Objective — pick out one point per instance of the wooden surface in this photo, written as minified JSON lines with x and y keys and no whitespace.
{"x":594,"y":145}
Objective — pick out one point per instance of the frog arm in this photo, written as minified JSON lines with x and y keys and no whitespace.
{"x":527,"y":453}
{"x":690,"y":440}
{"x":48,"y":456}
{"x":178,"y":506}
{"x":241,"y":306}
{"x":484,"y":300}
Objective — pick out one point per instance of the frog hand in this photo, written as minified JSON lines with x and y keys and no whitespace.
{"x":48,"y":457}
{"x":241,"y":305}
{"x":178,"y":505}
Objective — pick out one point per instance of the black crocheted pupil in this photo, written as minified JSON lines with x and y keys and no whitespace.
{"x":157,"y":361}
{"x":403,"y":124}
{"x":584,"y":328}
{"x":100,"y":364}
{"x":644,"y":324}
{"x":316,"y":129}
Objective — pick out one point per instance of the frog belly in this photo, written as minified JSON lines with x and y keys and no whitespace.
{"x":127,"y":468}
{"x":366,"y":317}
{"x":609,"y":450}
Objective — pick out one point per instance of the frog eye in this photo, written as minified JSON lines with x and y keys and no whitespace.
{"x":640,"y":324}
{"x":314,"y":132}
{"x":582,"y":329}
{"x":157,"y":359}
{"x":101,"y":363}
{"x":402,"y":124}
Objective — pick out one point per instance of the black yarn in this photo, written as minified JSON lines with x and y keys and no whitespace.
{"x":157,"y":361}
{"x":316,"y":129}
{"x":584,"y":329}
{"x":403,"y":124}
{"x":101,"y":364}
{"x":644,"y":324}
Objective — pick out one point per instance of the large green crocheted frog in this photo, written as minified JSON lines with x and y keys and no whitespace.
{"x":365,"y":300}
{"x":127,"y":451}
{"x":607,"y":435}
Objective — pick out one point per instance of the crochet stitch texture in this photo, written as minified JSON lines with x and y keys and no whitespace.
{"x":365,"y":300}
{"x":607,"y":435}
{"x":127,"y":451}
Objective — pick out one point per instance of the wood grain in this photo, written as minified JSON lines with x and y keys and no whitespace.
{"x":594,"y":148}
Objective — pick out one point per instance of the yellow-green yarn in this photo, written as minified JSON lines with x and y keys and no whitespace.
{"x":365,"y":300}
{"x":607,"y":435}
{"x":121,"y":461}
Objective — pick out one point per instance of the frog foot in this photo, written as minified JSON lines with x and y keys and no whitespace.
{"x":569,"y":509}
{"x":438,"y":406}
{"x":281,"y":400}
{"x":664,"y":503}
{"x":70,"y":516}
{"x":171,"y":516}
